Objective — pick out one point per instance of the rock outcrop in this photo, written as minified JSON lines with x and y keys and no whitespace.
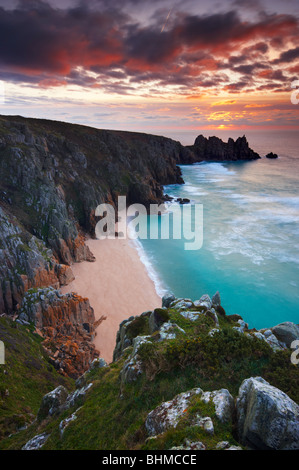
{"x":67,"y":324}
{"x":286,"y":332}
{"x":271,"y":155}
{"x":36,"y":442}
{"x":132,"y":368}
{"x":168,"y":414}
{"x":267,"y":418}
{"x":214,"y":149}
{"x":25,"y":262}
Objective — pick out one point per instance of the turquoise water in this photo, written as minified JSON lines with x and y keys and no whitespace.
{"x":250,"y":250}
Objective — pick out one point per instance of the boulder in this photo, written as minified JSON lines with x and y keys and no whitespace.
{"x":67,"y":321}
{"x":169,"y":331}
{"x":36,"y":442}
{"x":205,"y":423}
{"x":216,"y":301}
{"x":167,"y":299}
{"x":182,"y":304}
{"x":192,"y":316}
{"x":52,"y":402}
{"x":157,"y":318}
{"x":242,"y":326}
{"x":76,"y":397}
{"x":189,"y":445}
{"x":286,"y":332}
{"x":213,"y":315}
{"x":215,"y":149}
{"x":267,"y":418}
{"x":133,"y":366}
{"x":168,"y":414}
{"x":65,"y":422}
{"x":204,"y":301}
{"x":224,"y":404}
{"x":64,"y":274}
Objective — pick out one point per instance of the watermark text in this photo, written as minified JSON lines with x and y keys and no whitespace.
{"x":165,"y":222}
{"x":2,"y":353}
{"x":295,"y":354}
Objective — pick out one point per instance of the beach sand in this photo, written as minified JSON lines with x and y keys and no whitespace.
{"x":117,"y":285}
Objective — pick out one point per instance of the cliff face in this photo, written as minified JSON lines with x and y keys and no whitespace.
{"x":67,"y":324}
{"x":52,"y":178}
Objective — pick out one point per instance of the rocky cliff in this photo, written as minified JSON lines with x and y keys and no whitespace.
{"x":67,"y":325}
{"x":53,"y":175}
{"x":52,"y":178}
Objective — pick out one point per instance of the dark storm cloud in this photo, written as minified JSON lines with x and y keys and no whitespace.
{"x":44,"y":44}
{"x":288,"y":56}
{"x":36,"y":37}
{"x":249,"y":68}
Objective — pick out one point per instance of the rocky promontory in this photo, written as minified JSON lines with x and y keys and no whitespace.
{"x":214,"y":149}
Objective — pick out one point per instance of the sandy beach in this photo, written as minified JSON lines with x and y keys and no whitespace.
{"x":117,"y":285}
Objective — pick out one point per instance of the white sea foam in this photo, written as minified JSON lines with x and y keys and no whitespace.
{"x":160,"y":286}
{"x":194,"y":190}
{"x":212,"y":167}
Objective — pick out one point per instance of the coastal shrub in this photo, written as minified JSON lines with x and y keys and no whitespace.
{"x":138,"y":327}
{"x":227,"y":355}
{"x":161,"y":314}
{"x":281,"y":373}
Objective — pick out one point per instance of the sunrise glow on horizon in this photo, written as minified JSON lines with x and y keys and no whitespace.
{"x":146,"y":66}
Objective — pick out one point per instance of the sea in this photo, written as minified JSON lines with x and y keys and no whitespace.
{"x":250,"y":227}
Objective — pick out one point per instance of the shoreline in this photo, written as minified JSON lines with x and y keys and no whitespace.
{"x":118,"y":285}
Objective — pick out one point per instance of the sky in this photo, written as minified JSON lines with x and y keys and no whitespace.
{"x":158,"y":66}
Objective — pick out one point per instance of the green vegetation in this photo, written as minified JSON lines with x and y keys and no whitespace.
{"x":25,"y":377}
{"x":138,"y":327}
{"x":113,"y":414}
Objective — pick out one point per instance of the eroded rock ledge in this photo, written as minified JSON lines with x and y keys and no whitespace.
{"x":67,"y":324}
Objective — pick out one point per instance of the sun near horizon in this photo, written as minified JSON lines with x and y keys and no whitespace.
{"x":155,"y":67}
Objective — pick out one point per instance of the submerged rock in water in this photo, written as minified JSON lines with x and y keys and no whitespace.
{"x":271,"y":155}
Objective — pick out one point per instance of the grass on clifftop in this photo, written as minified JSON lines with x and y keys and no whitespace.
{"x":25,"y":377}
